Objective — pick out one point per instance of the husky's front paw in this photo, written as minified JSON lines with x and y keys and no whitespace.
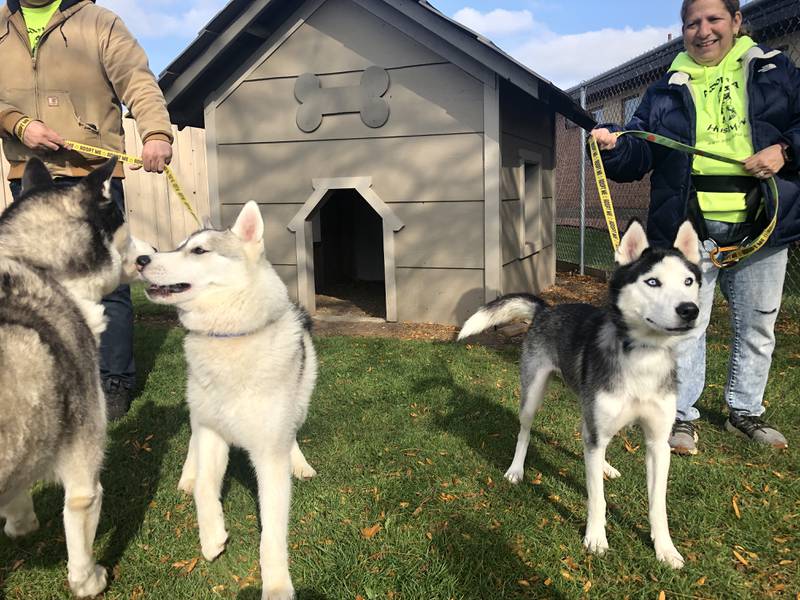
{"x":595,"y":542}
{"x":303,"y":471}
{"x":610,"y":471}
{"x":20,"y":527}
{"x":667,"y":553}
{"x":93,"y":584}
{"x":213,"y":545}
{"x":514,"y":474}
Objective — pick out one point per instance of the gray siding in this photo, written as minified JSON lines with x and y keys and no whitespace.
{"x":527,"y":129}
{"x":439,"y":234}
{"x":438,"y":295}
{"x":424,"y":100}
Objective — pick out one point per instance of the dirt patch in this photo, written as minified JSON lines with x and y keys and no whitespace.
{"x":569,"y":287}
{"x":334,"y":320}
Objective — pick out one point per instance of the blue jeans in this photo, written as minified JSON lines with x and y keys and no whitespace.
{"x":116,"y":342}
{"x":753,"y":290}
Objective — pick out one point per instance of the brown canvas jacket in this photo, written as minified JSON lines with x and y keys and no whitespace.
{"x":86,"y":65}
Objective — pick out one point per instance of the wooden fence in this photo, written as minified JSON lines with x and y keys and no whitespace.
{"x":155,"y":213}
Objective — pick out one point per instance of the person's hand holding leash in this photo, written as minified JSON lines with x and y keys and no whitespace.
{"x":38,"y":136}
{"x":155,"y":155}
{"x":766,"y":163}
{"x":605,"y":139}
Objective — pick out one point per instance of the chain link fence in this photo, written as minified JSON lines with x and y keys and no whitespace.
{"x":582,"y":241}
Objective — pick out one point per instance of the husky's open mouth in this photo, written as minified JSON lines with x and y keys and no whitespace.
{"x":166,"y":290}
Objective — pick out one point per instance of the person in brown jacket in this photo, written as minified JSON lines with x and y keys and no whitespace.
{"x":66,"y":69}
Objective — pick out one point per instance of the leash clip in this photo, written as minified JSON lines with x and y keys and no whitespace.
{"x":720,"y":255}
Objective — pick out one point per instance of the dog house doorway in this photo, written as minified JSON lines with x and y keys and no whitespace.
{"x":348,"y":257}
{"x":350,"y":197}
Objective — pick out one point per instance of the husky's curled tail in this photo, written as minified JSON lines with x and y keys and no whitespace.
{"x":502,"y":310}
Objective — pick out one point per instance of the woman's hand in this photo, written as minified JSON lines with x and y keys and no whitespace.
{"x":605,"y":139}
{"x":766,"y":163}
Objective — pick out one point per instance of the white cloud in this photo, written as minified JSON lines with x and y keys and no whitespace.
{"x":496,"y":22}
{"x":165,"y":18}
{"x":567,"y":60}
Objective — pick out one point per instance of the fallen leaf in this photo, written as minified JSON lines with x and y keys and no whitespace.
{"x":736,"y":506}
{"x":587,"y":586}
{"x":369,"y":532}
{"x":741,"y":558}
{"x":192,"y":564}
{"x":662,"y":595}
{"x":701,"y":581}
{"x":630,"y":447}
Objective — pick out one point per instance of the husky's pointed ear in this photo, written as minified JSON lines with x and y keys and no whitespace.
{"x":632,"y":244}
{"x":688,"y":243}
{"x":99,"y":180}
{"x":35,"y":175}
{"x":249,"y":226}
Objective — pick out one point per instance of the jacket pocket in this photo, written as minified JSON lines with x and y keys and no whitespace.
{"x":59,"y":113}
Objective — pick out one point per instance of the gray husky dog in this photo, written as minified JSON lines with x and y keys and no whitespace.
{"x":251,"y":371}
{"x":619,"y":360}
{"x":61,"y":251}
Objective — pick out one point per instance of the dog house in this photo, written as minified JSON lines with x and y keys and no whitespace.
{"x":388,"y":147}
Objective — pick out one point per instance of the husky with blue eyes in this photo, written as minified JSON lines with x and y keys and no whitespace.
{"x":620,"y":362}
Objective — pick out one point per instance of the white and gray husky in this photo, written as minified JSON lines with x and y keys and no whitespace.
{"x":619,"y":360}
{"x":61,"y":250}
{"x":251,"y":371}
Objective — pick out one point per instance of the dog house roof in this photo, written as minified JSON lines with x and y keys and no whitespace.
{"x":242,"y":26}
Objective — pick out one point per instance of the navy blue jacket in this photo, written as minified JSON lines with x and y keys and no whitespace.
{"x":667,"y":108}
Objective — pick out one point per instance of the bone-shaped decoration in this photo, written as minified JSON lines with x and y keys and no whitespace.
{"x":365,"y":98}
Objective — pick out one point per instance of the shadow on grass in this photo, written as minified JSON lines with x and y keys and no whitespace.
{"x":254,"y":593}
{"x":493,"y":418}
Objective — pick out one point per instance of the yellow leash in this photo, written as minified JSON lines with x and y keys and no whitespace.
{"x":722,"y":257}
{"x":134,"y":160}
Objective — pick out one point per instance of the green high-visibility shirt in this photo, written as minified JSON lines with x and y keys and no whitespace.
{"x":722,"y":126}
{"x":36,"y":19}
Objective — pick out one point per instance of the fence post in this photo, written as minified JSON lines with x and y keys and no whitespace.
{"x":581,"y":261}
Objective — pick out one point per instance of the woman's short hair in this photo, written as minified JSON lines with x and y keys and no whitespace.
{"x":732,"y":6}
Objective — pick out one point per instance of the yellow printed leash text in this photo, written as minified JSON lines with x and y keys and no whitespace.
{"x":135,"y":160}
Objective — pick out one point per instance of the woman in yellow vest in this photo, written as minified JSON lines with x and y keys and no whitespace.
{"x":727,"y":95}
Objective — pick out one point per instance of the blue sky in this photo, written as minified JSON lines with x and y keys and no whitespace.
{"x":565,"y":41}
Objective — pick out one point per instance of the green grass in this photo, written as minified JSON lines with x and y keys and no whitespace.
{"x":415,"y":437}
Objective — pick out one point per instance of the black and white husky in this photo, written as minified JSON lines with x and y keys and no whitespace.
{"x":251,"y":371}
{"x":619,"y":360}
{"x":61,"y":250}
